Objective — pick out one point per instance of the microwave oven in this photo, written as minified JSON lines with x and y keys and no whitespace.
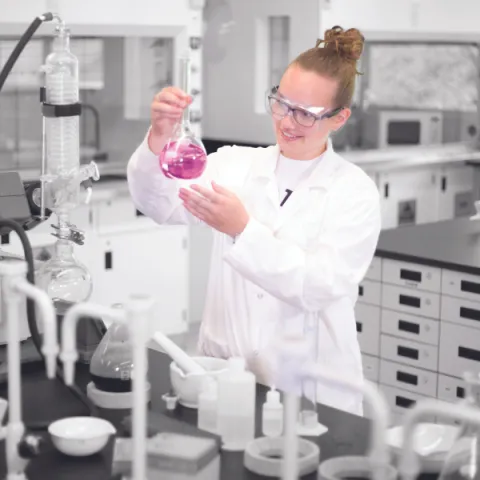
{"x":396,"y":128}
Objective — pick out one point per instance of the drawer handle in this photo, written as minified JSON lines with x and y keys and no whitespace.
{"x":460,"y":392}
{"x":407,"y":352}
{"x":108,"y":261}
{"x":470,"y":313}
{"x":359,"y":327}
{"x":409,"y":327}
{"x":470,"y":287}
{"x":469,"y":353}
{"x":360,"y":290}
{"x":5,"y":239}
{"x":409,"y":301}
{"x":407,"y":378}
{"x":403,"y":402}
{"x":410,"y":275}
{"x":138,"y":213}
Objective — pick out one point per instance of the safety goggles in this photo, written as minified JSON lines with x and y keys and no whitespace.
{"x":279,"y":107}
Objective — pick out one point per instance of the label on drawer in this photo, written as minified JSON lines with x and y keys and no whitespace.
{"x":413,"y":327}
{"x":461,"y":311}
{"x":459,"y":349}
{"x":462,"y":285}
{"x":370,"y":367}
{"x":408,"y":378}
{"x":368,"y":328}
{"x":411,"y":275}
{"x":408,"y":352}
{"x":369,"y":292}
{"x":451,"y":389}
{"x":412,"y":301}
{"x":374,"y":271}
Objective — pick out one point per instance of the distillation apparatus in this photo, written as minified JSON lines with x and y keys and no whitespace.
{"x":65,"y":279}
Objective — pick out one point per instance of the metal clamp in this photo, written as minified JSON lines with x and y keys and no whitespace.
{"x":75,"y":235}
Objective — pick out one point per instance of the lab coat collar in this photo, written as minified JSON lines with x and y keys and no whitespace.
{"x":264,"y":168}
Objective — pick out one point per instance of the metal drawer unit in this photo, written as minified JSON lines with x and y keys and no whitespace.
{"x":404,"y":325}
{"x":460,"y":349}
{"x":462,"y":285}
{"x":451,"y":389}
{"x":416,"y":302}
{"x":370,"y":292}
{"x":408,"y":352}
{"x":368,"y":328}
{"x":408,"y":378}
{"x":411,"y":275}
{"x":370,"y":367}
{"x":461,"y":311}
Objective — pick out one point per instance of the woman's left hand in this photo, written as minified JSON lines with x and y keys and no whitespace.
{"x":220,"y":208}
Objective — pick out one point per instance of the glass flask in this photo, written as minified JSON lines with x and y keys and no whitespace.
{"x":111,"y":366}
{"x":64,"y":278}
{"x":184,"y":156}
{"x":463,"y":460}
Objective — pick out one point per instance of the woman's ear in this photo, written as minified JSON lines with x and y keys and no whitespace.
{"x":339,"y":120}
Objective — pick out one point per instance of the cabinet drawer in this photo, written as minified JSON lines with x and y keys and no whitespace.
{"x":461,"y":311}
{"x":408,"y":378}
{"x":407,"y":300}
{"x":401,"y":400}
{"x":462,"y":285}
{"x":404,"y":325}
{"x":370,"y":367}
{"x":115,"y":213}
{"x":412,"y":275}
{"x":451,"y":389}
{"x":408,"y":352}
{"x":369,"y":292}
{"x":368,"y":328}
{"x":459,"y":349}
{"x":374,"y":271}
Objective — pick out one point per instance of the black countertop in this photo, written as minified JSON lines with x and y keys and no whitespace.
{"x":451,"y":244}
{"x":48,"y":400}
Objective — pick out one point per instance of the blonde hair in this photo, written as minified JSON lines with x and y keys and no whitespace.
{"x":336,"y":57}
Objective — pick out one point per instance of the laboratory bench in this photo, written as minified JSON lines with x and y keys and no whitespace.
{"x":418,"y":313}
{"x":47,"y":400}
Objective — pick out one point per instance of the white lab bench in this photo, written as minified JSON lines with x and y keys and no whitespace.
{"x":127,"y":253}
{"x":418,"y":313}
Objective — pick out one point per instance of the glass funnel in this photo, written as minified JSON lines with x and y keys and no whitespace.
{"x":463,"y":460}
{"x":184,"y":156}
{"x":112,"y":363}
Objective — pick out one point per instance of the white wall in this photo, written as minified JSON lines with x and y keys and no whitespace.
{"x":234,"y":88}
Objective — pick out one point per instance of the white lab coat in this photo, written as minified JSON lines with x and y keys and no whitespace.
{"x":307,"y":256}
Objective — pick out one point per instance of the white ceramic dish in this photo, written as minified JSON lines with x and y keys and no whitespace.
{"x":432,"y":442}
{"x":80,"y":436}
{"x":187,"y":387}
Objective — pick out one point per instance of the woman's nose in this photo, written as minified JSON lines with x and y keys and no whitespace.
{"x":288,"y":121}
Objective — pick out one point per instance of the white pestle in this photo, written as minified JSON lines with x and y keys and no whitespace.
{"x":184,"y":361}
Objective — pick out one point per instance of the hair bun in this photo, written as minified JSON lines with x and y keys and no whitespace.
{"x":348,"y":43}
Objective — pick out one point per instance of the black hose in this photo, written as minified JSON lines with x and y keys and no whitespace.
{"x":21,"y":45}
{"x":32,"y":321}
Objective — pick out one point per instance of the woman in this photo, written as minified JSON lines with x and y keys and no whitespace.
{"x":296,"y":225}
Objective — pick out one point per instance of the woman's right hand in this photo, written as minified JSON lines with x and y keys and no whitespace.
{"x":166,"y":110}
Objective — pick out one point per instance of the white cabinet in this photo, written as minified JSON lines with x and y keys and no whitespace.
{"x":408,"y":197}
{"x":152,"y":261}
{"x":455,"y":192}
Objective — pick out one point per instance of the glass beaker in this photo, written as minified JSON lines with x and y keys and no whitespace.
{"x":184,"y":156}
{"x":463,"y":460}
{"x":111,"y":366}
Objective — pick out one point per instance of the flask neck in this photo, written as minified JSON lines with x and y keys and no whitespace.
{"x":63,"y":248}
{"x":185,"y":84}
{"x":61,"y":42}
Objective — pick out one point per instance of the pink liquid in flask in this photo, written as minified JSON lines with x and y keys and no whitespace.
{"x":183,"y":160}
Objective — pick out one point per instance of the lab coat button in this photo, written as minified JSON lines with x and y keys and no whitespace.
{"x":259,"y":296}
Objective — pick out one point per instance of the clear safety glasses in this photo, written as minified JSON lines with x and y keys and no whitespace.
{"x":280,"y":107}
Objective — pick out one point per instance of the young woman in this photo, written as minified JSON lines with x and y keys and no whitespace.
{"x":295,"y":225}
